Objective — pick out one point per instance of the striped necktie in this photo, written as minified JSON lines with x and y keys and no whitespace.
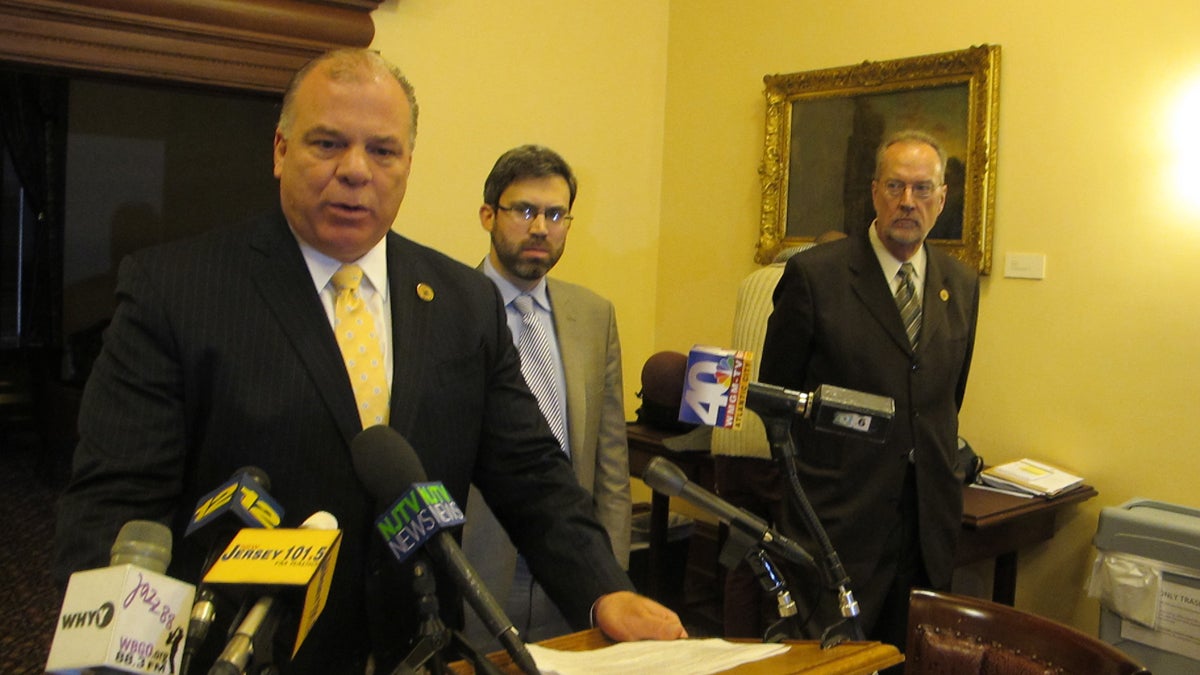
{"x":538,"y":367}
{"x":908,"y":303}
{"x":357,"y":338}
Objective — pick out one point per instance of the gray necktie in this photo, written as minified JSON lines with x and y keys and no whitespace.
{"x":538,"y":367}
{"x":909,"y":303}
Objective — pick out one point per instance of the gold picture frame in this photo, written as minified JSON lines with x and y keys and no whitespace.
{"x":822,"y":124}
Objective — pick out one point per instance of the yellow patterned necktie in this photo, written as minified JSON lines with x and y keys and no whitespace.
{"x":357,"y":338}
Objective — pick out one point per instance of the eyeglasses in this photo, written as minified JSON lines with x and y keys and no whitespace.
{"x":555,"y":215}
{"x":923,"y":190}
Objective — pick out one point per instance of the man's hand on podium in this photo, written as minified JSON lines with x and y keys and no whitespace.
{"x":625,"y":616}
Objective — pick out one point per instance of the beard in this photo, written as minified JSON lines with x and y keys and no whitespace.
{"x":509,"y":255}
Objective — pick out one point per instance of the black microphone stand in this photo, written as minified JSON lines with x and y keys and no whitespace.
{"x":773,"y":581}
{"x":252,"y":633}
{"x":741,"y":547}
{"x":480,"y":662}
{"x":434,"y":637}
{"x":203,"y":613}
{"x":778,"y":425}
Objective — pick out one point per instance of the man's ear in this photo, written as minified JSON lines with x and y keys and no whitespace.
{"x":280,"y":149}
{"x":487,"y":217}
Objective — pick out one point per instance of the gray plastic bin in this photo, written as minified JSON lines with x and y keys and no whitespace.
{"x":1147,"y":577}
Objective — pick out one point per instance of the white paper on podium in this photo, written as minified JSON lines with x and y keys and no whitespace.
{"x":678,"y":657}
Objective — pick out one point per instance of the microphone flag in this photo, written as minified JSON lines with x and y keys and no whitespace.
{"x":244,"y":497}
{"x":714,"y":388}
{"x":121,"y":617}
{"x":299,"y":559}
{"x":128,"y":617}
{"x":416,"y":517}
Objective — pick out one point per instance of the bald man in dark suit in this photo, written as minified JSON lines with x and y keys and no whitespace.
{"x":893,"y":511}
{"x":222,"y":354}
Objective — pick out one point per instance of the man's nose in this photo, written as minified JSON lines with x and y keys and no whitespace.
{"x":539,"y":225}
{"x":354,"y":168}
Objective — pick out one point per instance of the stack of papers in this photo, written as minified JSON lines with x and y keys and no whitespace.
{"x":1030,"y":477}
{"x":678,"y":657}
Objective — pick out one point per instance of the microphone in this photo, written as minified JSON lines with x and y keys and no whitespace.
{"x":716,"y":394}
{"x":664,"y":476}
{"x":241,"y":501}
{"x":255,"y":633}
{"x":143,"y":543}
{"x":387,"y":465}
{"x":831,"y":409}
{"x":127,"y":615}
{"x":242,"y":498}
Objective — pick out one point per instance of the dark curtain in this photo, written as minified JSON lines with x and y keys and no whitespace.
{"x":33,"y":130}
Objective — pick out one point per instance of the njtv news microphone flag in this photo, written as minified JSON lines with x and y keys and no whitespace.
{"x":420,"y":513}
{"x":714,"y":388}
{"x":301,"y":559}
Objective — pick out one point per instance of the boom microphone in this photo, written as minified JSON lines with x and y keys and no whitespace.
{"x":127,"y":616}
{"x":387,"y":464}
{"x":665,"y":477}
{"x":716,"y":393}
{"x":834,"y":410}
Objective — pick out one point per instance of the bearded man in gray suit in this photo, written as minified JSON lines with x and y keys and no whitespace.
{"x":527,"y":211}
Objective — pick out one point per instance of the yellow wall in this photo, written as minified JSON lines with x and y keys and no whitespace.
{"x":587,"y":79}
{"x":659,"y":106}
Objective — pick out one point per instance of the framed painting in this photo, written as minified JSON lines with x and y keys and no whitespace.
{"x":824,"y":127}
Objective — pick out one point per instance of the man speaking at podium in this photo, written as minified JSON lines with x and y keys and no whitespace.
{"x":226,"y":350}
{"x":885,"y":313}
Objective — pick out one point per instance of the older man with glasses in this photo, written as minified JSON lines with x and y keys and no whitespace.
{"x":884,"y":313}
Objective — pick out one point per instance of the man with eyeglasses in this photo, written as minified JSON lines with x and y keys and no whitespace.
{"x":575,"y":372}
{"x":883,"y":313}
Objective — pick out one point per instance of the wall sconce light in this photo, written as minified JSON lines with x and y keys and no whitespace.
{"x":1185,"y":142}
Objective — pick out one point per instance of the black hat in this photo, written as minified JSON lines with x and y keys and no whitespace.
{"x":662,"y":391}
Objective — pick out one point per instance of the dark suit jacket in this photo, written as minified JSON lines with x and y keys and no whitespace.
{"x":836,"y":322}
{"x":220,"y":356}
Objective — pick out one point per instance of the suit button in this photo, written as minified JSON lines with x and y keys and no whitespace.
{"x":916,"y":366}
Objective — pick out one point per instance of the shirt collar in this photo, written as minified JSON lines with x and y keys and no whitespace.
{"x":508,"y":291}
{"x":374,"y":266}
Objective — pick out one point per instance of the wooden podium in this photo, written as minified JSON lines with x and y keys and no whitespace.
{"x":850,"y":658}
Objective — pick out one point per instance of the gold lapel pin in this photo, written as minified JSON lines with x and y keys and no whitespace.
{"x":425,"y":292}
{"x":944,"y":295}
